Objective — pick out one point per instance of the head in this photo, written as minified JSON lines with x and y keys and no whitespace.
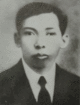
{"x":40,"y":33}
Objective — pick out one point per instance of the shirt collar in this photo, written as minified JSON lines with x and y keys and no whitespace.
{"x":34,"y":76}
{"x":31,"y":74}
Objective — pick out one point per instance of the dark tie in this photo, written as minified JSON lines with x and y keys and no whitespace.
{"x":43,"y":97}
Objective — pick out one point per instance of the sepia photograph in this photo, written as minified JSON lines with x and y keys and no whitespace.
{"x":39,"y":52}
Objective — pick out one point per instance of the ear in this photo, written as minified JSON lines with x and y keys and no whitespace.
{"x":17,"y":39}
{"x":65,"y":40}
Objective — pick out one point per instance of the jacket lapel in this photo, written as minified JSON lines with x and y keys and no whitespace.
{"x":62,"y":88}
{"x":57,"y":87}
{"x":22,"y":90}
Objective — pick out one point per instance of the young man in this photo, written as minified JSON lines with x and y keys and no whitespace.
{"x":37,"y":79}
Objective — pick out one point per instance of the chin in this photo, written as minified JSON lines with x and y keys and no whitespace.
{"x":38,"y":64}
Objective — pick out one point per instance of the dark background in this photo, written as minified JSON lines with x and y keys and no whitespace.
{"x":9,"y":54}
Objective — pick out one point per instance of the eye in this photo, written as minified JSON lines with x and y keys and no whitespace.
{"x":28,"y":33}
{"x":51,"y":33}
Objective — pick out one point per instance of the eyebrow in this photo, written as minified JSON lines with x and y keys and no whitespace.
{"x":49,"y":28}
{"x":30,"y":28}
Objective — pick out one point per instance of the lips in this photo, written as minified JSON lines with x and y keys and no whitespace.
{"x":40,"y":56}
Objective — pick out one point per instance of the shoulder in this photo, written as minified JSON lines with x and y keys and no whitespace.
{"x":68,"y":80}
{"x":8,"y":77}
{"x":67,"y":85}
{"x":9,"y":73}
{"x":8,"y":80}
{"x":66,"y":74}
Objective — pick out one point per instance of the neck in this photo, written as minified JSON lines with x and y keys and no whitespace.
{"x":42,"y":69}
{"x":46,"y":69}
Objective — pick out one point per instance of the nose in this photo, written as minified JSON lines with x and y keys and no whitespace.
{"x":40,"y":43}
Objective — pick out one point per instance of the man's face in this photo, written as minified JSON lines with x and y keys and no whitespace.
{"x":40,"y":40}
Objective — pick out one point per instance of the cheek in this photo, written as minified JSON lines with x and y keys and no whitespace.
{"x":53,"y":42}
{"x":27,"y":41}
{"x":53,"y":45}
{"x":27,"y":45}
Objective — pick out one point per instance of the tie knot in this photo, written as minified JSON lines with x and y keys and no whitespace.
{"x":42,"y":81}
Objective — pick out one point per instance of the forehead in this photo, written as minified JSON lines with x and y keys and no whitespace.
{"x":42,"y":21}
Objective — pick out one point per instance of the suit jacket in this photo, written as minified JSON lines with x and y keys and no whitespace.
{"x":15,"y":88}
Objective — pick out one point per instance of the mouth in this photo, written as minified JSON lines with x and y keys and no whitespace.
{"x":40,"y":56}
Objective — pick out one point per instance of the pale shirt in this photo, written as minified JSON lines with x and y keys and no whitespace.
{"x":34,"y":77}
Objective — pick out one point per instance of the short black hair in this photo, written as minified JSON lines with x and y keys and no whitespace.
{"x":36,"y":8}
